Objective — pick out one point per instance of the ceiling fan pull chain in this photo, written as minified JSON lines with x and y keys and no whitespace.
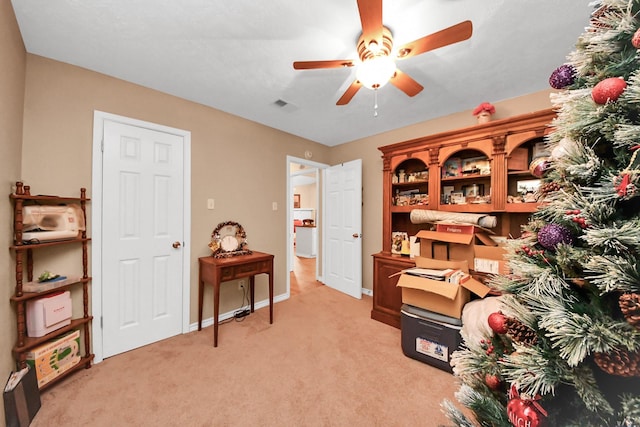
{"x":375,"y":102}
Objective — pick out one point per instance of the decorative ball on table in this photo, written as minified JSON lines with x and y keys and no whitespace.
{"x":551,"y":235}
{"x":562,"y":76}
{"x":608,"y":90}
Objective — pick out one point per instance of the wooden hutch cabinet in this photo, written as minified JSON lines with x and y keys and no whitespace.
{"x":478,"y":169}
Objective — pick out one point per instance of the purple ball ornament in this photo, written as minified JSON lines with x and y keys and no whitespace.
{"x":562,"y":76}
{"x":551,"y":235}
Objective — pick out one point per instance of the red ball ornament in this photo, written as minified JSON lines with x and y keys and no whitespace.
{"x":497,"y":323}
{"x":492,"y":381}
{"x":522,"y":413}
{"x":538,"y":167}
{"x":635,"y":40}
{"x":608,"y":90}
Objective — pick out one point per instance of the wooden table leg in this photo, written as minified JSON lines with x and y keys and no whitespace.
{"x":216,"y":310}
{"x":200,"y":302}
{"x":252,"y":290}
{"x":271,"y":295}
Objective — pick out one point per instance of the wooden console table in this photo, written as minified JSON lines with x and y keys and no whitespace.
{"x":217,"y":270}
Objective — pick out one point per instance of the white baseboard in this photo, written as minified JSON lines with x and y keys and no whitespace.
{"x":229,"y":314}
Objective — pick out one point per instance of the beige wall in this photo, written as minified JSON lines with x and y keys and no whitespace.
{"x":12,"y":75}
{"x":241,"y":164}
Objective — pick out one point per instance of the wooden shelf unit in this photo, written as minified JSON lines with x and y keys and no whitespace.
{"x":24,"y":253}
{"x":506,"y":144}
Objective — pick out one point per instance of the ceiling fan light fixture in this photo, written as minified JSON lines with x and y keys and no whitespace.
{"x":375,"y":72}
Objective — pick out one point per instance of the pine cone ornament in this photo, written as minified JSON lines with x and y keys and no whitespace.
{"x":630,"y":306}
{"x":619,"y":362}
{"x":549,"y":187}
{"x":519,"y":332}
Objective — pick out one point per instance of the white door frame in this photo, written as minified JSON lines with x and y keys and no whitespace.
{"x":96,"y":222}
{"x":290,"y":254}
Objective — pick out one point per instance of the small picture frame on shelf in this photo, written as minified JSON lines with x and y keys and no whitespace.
{"x":397,"y":239}
{"x":539,"y":150}
{"x":476,"y":165}
{"x":474,"y":190}
{"x":527,"y":186}
{"x":457,"y":198}
{"x":452,"y":167}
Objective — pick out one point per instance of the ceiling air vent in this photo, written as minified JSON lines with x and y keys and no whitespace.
{"x":281,"y":103}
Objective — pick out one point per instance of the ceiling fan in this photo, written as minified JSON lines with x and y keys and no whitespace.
{"x":377,"y":54}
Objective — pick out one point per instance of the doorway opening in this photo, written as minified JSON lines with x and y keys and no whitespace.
{"x":304,"y":223}
{"x":337,"y":217}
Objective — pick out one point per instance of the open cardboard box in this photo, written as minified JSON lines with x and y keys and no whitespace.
{"x":479,"y":249}
{"x":439,"y":296}
{"x":452,"y":246}
{"x":490,"y":259}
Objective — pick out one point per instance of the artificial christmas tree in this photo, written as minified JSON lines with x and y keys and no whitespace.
{"x":567,"y":350}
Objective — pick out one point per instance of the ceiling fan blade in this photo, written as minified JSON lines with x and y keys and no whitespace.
{"x":311,"y":65}
{"x":349,"y":93}
{"x":405,"y":83}
{"x":371,"y":19}
{"x":453,"y":34}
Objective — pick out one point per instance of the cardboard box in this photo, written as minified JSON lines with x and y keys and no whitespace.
{"x":490,"y":259}
{"x":452,"y":246}
{"x":55,"y":357}
{"x":461,"y":228}
{"x":428,"y":337}
{"x":49,"y":313}
{"x":439,"y":296}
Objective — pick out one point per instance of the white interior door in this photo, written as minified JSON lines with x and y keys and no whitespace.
{"x":142,"y":236}
{"x":343,"y":228}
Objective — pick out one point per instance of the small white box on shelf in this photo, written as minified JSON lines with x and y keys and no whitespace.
{"x":47,"y":314}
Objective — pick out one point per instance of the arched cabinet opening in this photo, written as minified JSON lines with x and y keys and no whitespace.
{"x":466,"y":180}
{"x":410,"y":183}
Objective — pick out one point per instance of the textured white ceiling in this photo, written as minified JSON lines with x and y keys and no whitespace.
{"x":237,"y":55}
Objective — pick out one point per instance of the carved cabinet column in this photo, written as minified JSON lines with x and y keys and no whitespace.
{"x":499,"y":173}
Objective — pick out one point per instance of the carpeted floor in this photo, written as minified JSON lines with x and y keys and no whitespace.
{"x":323,"y":362}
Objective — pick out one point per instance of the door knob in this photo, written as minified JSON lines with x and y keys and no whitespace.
{"x":356,"y":235}
{"x":176,"y":245}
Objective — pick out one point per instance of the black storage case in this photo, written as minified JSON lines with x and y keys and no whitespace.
{"x":429,"y":337}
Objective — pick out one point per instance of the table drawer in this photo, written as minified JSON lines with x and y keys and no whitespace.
{"x":265,"y":266}
{"x":227,"y":273}
{"x":252,"y":268}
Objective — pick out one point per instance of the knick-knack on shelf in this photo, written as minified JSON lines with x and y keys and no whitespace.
{"x":483,"y":112}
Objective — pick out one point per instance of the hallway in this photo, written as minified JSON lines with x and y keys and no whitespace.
{"x":303,"y":276}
